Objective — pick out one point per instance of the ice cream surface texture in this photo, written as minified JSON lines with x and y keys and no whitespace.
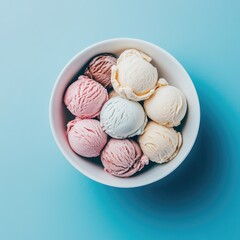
{"x":121,"y":118}
{"x":134,"y":77}
{"x":99,"y":69}
{"x":167,"y":106}
{"x":85,"y":97}
{"x":159,"y":143}
{"x":123,"y":158}
{"x":86,"y":137}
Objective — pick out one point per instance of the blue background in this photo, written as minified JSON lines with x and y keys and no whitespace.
{"x":43,"y":197}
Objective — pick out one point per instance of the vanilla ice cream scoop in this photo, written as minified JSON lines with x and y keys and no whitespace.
{"x":121,"y":118}
{"x":167,"y":106}
{"x":160,"y":144}
{"x":134,"y":77}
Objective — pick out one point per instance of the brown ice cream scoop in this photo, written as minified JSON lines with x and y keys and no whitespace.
{"x":123,"y":157}
{"x":99,"y":69}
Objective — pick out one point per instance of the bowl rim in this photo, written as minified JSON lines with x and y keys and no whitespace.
{"x":53,"y":129}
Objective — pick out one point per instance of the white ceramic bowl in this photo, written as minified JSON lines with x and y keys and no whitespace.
{"x":168,"y":68}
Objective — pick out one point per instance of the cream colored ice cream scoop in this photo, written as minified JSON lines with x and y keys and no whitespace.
{"x":167,"y":106}
{"x":160,"y":144}
{"x":134,"y":77}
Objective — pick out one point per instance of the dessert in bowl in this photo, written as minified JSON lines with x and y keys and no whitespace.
{"x":168,"y":68}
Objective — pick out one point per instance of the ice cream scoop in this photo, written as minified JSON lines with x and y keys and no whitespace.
{"x":134,"y":77}
{"x":122,"y":118}
{"x":86,"y":137}
{"x":159,"y":143}
{"x":99,"y":69}
{"x":123,"y":158}
{"x":85,"y":97}
{"x":167,"y":106}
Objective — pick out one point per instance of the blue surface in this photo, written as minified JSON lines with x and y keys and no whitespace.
{"x":43,"y":197}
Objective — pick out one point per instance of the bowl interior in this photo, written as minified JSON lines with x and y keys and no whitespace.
{"x":168,"y":68}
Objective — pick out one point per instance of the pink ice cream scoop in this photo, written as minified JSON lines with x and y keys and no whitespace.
{"x":85,"y":97}
{"x":99,"y":69}
{"x":123,"y":158}
{"x":86,"y":137}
